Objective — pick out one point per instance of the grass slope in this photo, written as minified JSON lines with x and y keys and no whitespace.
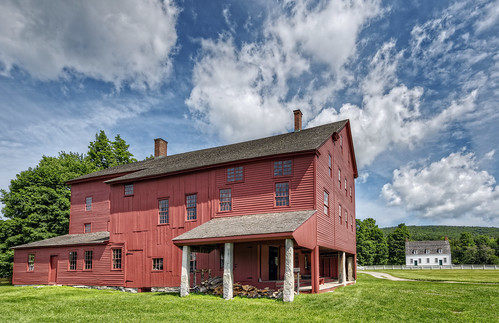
{"x":370,"y":300}
{"x":436,"y":232}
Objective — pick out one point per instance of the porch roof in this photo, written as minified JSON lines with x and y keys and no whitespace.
{"x":247,"y":226}
{"x":69,"y":240}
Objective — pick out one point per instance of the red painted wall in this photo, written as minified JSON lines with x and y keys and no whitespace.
{"x":330,"y":232}
{"x":134,"y":219}
{"x":101,"y":273}
{"x":98,"y":216}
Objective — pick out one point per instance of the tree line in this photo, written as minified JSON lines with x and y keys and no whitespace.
{"x":374,"y":247}
{"x":36,"y":205}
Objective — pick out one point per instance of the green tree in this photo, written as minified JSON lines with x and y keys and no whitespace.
{"x":372,"y":248}
{"x":104,"y":153}
{"x":396,"y":245}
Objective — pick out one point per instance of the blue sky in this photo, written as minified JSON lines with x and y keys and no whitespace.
{"x":417,"y":79}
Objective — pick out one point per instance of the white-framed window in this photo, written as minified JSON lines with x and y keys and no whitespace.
{"x":439,"y":250}
{"x":445,"y":260}
{"x":339,"y":178}
{"x":345,"y":184}
{"x":31,"y":262}
{"x":117,"y":256}
{"x":419,"y":261}
{"x":191,"y":206}
{"x":87,"y":228}
{"x":326,"y":203}
{"x":157,"y":264}
{"x":282,"y":194}
{"x":427,"y":251}
{"x":88,"y":203}
{"x":164,"y":211}
{"x":427,"y":260}
{"x":128,"y":189}
{"x":283,"y":167}
{"x":414,"y":252}
{"x":73,"y":256}
{"x":330,"y":164}
{"x":436,"y":260}
{"x":226,"y":199}
{"x":235,"y":174}
{"x":412,"y":261}
{"x":88,"y":259}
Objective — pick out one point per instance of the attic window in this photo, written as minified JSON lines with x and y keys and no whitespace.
{"x":341,"y":142}
{"x":427,"y":251}
{"x":414,"y":252}
{"x":235,"y":174}
{"x":439,"y":250}
{"x":128,"y":189}
{"x":282,"y":167}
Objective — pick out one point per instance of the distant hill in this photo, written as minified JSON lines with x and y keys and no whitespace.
{"x":436,"y":232}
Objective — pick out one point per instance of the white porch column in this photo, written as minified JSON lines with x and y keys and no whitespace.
{"x":228,"y":278}
{"x":184,"y":274}
{"x":350,"y":269}
{"x":288,"y":293}
{"x":343,"y":269}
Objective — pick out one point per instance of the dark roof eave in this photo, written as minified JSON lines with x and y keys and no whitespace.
{"x":240,"y":238}
{"x":61,"y":245}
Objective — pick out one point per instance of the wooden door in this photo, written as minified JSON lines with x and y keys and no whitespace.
{"x":53,"y":269}
{"x":134,"y":268}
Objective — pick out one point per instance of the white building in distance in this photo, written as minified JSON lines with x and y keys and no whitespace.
{"x":428,"y":253}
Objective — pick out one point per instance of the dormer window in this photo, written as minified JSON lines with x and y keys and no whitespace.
{"x":414,"y":252}
{"x":235,"y":174}
{"x":439,"y":250}
{"x":427,"y":251}
{"x":128,"y":189}
{"x":282,"y":167}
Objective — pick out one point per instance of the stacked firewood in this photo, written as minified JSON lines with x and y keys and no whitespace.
{"x":214,"y":286}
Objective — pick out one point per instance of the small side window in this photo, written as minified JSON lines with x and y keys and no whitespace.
{"x":88,"y":203}
{"x":128,"y":189}
{"x":157,"y":264}
{"x":31,"y":262}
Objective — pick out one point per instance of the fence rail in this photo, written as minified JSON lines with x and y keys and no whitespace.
{"x":475,"y":267}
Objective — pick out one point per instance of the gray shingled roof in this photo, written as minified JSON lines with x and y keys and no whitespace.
{"x":248,"y":225}
{"x":69,"y":240}
{"x":293,"y":142}
{"x":432,"y":246}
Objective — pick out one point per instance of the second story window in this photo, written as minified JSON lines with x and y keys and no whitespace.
{"x":339,"y":213}
{"x":282,"y":194}
{"x":164,"y":211}
{"x":235,"y":174}
{"x":346,"y":218}
{"x":117,"y":258}
{"x":351,"y":223}
{"x":191,"y":203}
{"x":282,"y":167}
{"x":128,"y":189}
{"x":72,"y":260}
{"x":226,"y":200}
{"x":88,"y":203}
{"x":330,"y":164}
{"x":350,"y":194}
{"x":339,"y":178}
{"x":326,"y":203}
{"x":345,"y":185}
{"x":87,"y":228}
{"x":31,"y":262}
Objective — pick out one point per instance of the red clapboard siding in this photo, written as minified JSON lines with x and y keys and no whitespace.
{"x":101,"y":273}
{"x":330,"y":233}
{"x":98,"y":216}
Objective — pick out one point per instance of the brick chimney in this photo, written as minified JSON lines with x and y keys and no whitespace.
{"x":160,"y":146}
{"x":298,"y":115}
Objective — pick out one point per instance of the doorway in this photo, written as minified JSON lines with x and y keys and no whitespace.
{"x":415,"y":262}
{"x":440,"y":262}
{"x":53,"y":269}
{"x":273,"y":263}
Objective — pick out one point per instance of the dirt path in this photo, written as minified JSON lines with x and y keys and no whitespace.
{"x":385,"y":276}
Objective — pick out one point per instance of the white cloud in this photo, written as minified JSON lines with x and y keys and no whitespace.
{"x":451,"y":188}
{"x":239,"y":93}
{"x":390,"y":114}
{"x":491,"y":17}
{"x":113,"y":41}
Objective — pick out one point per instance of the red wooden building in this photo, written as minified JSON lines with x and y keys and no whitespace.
{"x":250,"y":211}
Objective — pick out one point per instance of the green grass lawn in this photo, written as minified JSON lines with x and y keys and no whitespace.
{"x":458,"y":275}
{"x":371,"y":299}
